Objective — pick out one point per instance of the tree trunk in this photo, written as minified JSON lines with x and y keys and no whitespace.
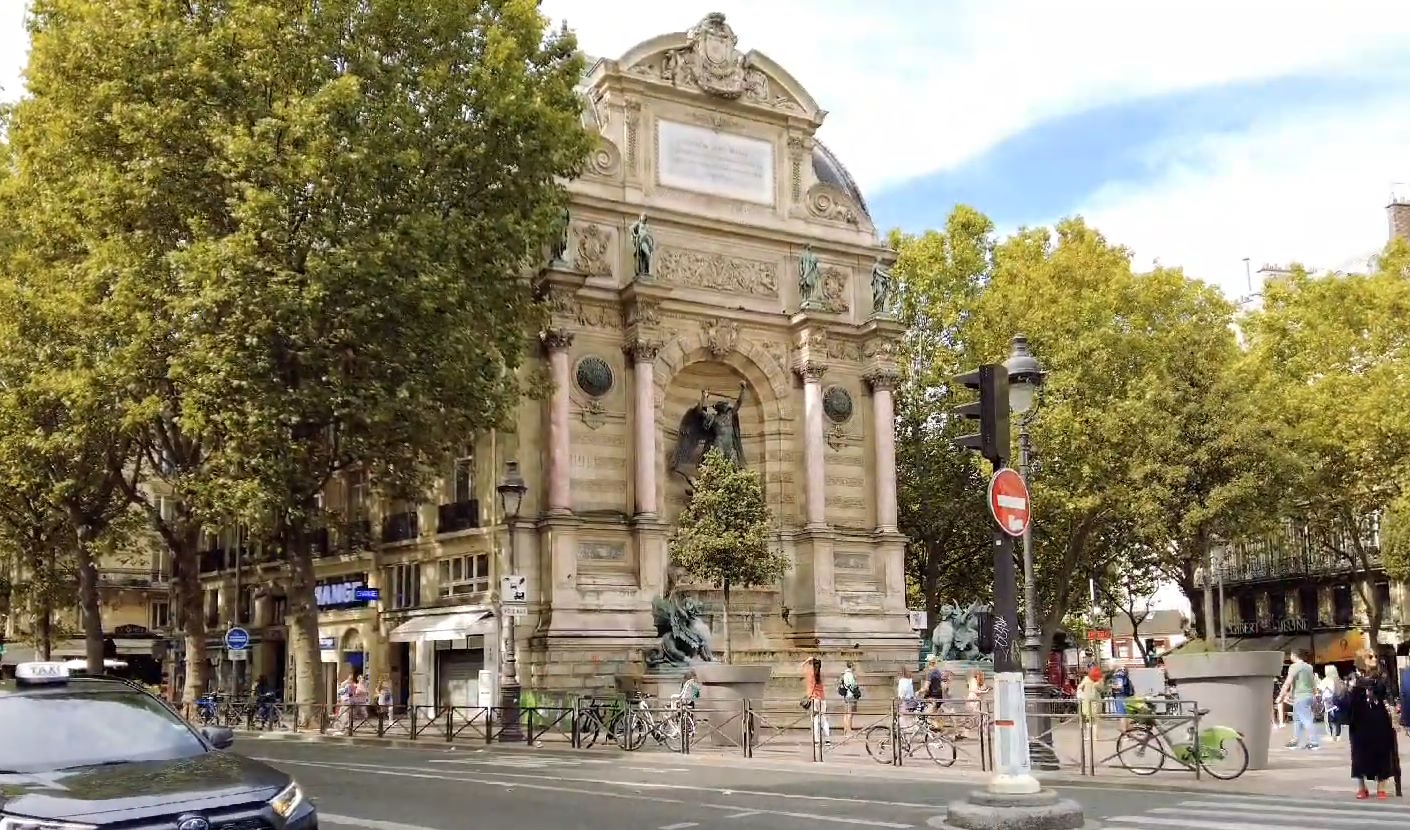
{"x":88,"y":601}
{"x":729,"y":650}
{"x":46,"y":618}
{"x":932,"y":588}
{"x":186,"y":567}
{"x":1207,"y":556}
{"x":303,"y":634}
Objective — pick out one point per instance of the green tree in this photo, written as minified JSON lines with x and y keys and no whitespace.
{"x":1330,"y":354}
{"x":939,"y":486}
{"x":722,"y":537}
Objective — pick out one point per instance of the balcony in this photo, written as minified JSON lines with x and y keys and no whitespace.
{"x":212,"y":561}
{"x":353,"y":536}
{"x":318,"y":542}
{"x":400,"y":527}
{"x":132,"y":578}
{"x":1286,"y":566}
{"x":460,"y":515}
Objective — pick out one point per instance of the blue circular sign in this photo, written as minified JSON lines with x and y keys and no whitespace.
{"x":237,"y":639}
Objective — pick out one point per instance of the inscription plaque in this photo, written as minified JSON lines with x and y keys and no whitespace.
{"x":715,"y":163}
{"x":851,"y":561}
{"x":601,"y":552}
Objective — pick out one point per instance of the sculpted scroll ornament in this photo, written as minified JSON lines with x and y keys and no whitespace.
{"x":827,"y":202}
{"x":606,"y":159}
{"x":717,"y":272}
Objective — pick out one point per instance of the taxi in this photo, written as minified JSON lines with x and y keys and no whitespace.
{"x":81,"y":752}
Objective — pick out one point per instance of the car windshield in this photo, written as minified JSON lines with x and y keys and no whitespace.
{"x":81,"y":727}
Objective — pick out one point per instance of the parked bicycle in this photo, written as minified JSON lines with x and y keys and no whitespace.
{"x":921,"y":733}
{"x":597,"y":718}
{"x":1143,"y":748}
{"x":674,"y":720}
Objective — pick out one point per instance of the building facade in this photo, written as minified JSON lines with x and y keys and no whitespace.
{"x":713,"y":153}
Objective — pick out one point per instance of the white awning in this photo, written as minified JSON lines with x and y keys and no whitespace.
{"x":444,"y":627}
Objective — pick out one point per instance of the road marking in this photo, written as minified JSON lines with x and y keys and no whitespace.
{"x":356,"y":767}
{"x":657,"y":769}
{"x":1250,"y":812}
{"x":680,"y":825}
{"x":367,"y":823}
{"x":435,"y":775}
{"x":745,"y":814}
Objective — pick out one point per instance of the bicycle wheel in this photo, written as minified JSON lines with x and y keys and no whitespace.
{"x":878,"y":742}
{"x":632,"y":731}
{"x":588,"y":728}
{"x":670,"y":732}
{"x":1225,"y":760}
{"x":1139,"y":751}
{"x":940,"y":750}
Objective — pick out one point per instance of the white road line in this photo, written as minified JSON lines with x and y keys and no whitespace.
{"x":1287,"y":815}
{"x":1349,"y":809}
{"x":356,"y":767}
{"x":433,"y":775}
{"x":680,"y":825}
{"x":745,"y":814}
{"x":657,"y":769}
{"x":366,"y":823}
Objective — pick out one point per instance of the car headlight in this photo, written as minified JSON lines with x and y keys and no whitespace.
{"x":283,"y":804}
{"x":21,"y":823}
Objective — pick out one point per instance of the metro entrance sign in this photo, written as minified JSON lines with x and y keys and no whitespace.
{"x":1008,"y":501}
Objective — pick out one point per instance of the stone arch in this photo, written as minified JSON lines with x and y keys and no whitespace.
{"x":748,"y":357}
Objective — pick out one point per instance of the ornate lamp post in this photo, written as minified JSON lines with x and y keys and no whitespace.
{"x":1025,"y":378}
{"x":511,"y":496}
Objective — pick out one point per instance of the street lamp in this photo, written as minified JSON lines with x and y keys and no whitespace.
{"x":1025,"y":378}
{"x":511,"y":496}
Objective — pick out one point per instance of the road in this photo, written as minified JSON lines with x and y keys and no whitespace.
{"x":450,"y":789}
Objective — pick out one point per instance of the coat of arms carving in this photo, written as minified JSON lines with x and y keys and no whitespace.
{"x":713,"y":62}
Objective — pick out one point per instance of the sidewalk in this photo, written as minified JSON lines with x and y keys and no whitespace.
{"x":1326,"y":770}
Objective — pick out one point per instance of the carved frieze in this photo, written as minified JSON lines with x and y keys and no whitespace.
{"x":566,"y":309}
{"x":828,"y":203}
{"x":883,"y":378}
{"x":644,"y":313}
{"x":797,"y":152}
{"x":844,"y":350}
{"x":718,"y":272}
{"x":715,"y":120}
{"x":633,"y":123}
{"x":834,"y":290}
{"x":594,"y":250}
{"x":721,"y":336}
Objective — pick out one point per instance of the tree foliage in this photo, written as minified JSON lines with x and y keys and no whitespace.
{"x":723,"y":535}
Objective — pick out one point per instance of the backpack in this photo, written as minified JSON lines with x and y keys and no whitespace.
{"x":843,"y":690}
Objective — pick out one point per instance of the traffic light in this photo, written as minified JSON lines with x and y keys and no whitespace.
{"x":991,"y":411}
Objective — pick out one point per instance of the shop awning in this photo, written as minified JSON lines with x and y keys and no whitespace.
{"x":129,"y":647}
{"x":444,"y":627}
{"x":1338,"y":646}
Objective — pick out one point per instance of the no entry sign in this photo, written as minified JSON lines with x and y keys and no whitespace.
{"x":1008,"y":501}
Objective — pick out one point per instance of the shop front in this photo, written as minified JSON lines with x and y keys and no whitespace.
{"x":348,"y":638}
{"x":451,"y":656}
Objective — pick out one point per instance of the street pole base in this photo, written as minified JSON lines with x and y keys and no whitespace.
{"x":511,"y":731}
{"x":1041,"y":755}
{"x":984,"y":810}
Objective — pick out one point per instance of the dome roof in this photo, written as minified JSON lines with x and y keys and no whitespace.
{"x":830,"y":170}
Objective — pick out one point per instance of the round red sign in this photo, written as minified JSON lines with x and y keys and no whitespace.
{"x":1008,"y":501}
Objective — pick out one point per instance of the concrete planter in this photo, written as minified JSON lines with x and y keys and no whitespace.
{"x":723,"y":690}
{"x":1237,"y":689}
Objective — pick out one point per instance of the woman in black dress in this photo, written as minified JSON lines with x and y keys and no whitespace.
{"x":1373,"y":754}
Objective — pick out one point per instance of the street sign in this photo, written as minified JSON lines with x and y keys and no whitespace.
{"x":514,"y":588}
{"x":237,"y":639}
{"x":367,"y":594}
{"x":1099,"y":634}
{"x":327,"y":644}
{"x":236,"y":655}
{"x":515,"y":610}
{"x":1008,"y":501}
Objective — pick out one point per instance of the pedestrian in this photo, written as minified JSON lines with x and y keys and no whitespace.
{"x":1089,"y":694}
{"x":1121,"y":688}
{"x":816,"y":700}
{"x":851,"y":692}
{"x":906,"y":691}
{"x":1299,"y":689}
{"x":1331,"y":690}
{"x":384,"y":698}
{"x":933,"y":690}
{"x":1278,"y":720}
{"x":1373,"y":744}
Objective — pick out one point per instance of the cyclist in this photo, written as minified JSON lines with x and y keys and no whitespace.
{"x":690,"y":689}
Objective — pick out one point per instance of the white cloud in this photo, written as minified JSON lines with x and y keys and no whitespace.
{"x":1310,"y":188}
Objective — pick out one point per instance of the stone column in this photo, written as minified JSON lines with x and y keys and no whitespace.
{"x":884,"y":444}
{"x":560,"y":470}
{"x":813,"y":446}
{"x":643,"y":357}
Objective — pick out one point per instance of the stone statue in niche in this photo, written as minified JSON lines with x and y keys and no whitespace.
{"x":883,"y":289}
{"x":707,"y":426}
{"x":643,"y":248}
{"x":809,"y":279}
{"x":683,"y":637}
{"x":559,"y":248}
{"x":956,"y":637}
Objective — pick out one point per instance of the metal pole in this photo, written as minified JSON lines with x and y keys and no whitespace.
{"x":1014,"y":765}
{"x":509,"y":680}
{"x":1032,"y":635}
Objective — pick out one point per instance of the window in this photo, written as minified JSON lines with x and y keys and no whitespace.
{"x":463,"y":482}
{"x":405,"y":582}
{"x":464,"y":575}
{"x":357,"y":493}
{"x":87,"y":726}
{"x":160,"y":616}
{"x":280,"y":612}
{"x":165,"y":507}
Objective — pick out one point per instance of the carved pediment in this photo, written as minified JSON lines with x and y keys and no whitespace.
{"x":830,"y":204}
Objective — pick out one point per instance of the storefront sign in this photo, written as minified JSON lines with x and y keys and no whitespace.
{"x":327,"y":643}
{"x":368,"y":594}
{"x":340,"y":594}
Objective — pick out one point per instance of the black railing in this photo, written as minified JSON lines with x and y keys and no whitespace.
{"x":460,"y":515}
{"x":354,"y":535}
{"x":399,"y":527}
{"x":132,"y":578}
{"x":318,"y":543}
{"x":212,"y":561}
{"x":1289,"y":566}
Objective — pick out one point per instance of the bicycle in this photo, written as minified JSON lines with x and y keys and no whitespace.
{"x":1143,"y":747}
{"x":599,"y":716}
{"x":667,"y":731}
{"x":922,"y":733}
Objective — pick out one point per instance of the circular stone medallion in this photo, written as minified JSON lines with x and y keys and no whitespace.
{"x":594,"y":376}
{"x":837,"y":404}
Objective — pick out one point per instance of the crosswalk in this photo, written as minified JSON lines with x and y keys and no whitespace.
{"x":1258,"y":812}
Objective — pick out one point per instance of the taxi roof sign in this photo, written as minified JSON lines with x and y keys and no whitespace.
{"x":35,"y":673}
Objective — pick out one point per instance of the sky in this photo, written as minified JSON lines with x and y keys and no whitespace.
{"x":1196,"y":133}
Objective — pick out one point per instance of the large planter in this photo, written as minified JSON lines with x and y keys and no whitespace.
{"x":1237,"y":689}
{"x":723,"y":690}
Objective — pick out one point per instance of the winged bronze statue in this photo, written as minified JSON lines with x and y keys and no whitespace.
{"x":708,"y":425}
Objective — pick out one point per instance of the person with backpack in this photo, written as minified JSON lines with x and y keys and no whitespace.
{"x":1332,"y":689}
{"x":1300,"y":688}
{"x":1121,"y":688}
{"x":850,"y":691}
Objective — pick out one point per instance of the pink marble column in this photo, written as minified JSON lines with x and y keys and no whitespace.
{"x":884,"y":424}
{"x":813,"y":465}
{"x":643,"y":356}
{"x":560,"y":469}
